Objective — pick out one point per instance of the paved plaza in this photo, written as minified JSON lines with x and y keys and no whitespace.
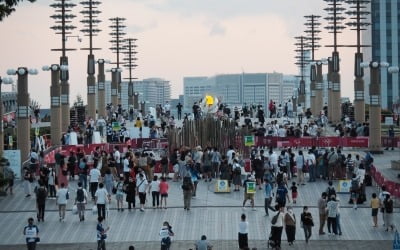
{"x":215,"y":215}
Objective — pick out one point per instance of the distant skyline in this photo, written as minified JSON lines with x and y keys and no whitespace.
{"x":176,"y":38}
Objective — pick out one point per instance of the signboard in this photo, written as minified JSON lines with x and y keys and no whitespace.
{"x":249,"y":141}
{"x":14,"y":157}
{"x":251,"y":187}
{"x":388,"y":120}
{"x":222,"y":187}
{"x":116,"y":126}
{"x":344,"y":186}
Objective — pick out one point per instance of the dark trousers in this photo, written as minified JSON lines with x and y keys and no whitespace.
{"x":93,"y":188}
{"x":52,"y":190}
{"x":307,"y":231}
{"x":31,"y":245}
{"x":101,"y":245}
{"x":156,"y":197}
{"x":267,"y":205}
{"x":332,"y":225}
{"x":101,"y":210}
{"x":276,"y":235}
{"x":41,"y":208}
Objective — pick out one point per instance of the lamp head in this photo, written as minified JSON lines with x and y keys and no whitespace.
{"x":11,"y":72}
{"x":393,"y":70}
{"x":384,"y":64}
{"x":364,"y":64}
{"x":64,"y":67}
{"x":32,"y":71}
{"x":45,"y":68}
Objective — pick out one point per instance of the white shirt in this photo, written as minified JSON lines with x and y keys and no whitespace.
{"x":101,"y":195}
{"x":273,"y":158}
{"x":229,"y":155}
{"x":311,"y":159}
{"x":282,"y":132}
{"x":94,"y":175}
{"x":62,"y":196}
{"x":154,"y":186}
{"x":126,"y":165}
{"x":117,"y":156}
{"x":279,"y":222}
{"x":243,"y":227}
{"x":141,"y":185}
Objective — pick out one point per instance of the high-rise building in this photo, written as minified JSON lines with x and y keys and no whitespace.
{"x":384,"y":37}
{"x":240,"y":89}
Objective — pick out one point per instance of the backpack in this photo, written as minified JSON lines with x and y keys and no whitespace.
{"x":275,"y":218}
{"x":331,"y":191}
{"x":388,"y":206}
{"x":80,"y":197}
{"x":238,"y":170}
{"x":41,"y":193}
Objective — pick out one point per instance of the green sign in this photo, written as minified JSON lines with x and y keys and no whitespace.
{"x":249,"y":140}
{"x":116,"y":126}
{"x":251,"y":187}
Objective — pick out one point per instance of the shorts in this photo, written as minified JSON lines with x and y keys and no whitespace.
{"x":375,"y":211}
{"x":164,"y":195}
{"x":294,"y":195}
{"x":142,"y":198}
{"x":248,"y":196}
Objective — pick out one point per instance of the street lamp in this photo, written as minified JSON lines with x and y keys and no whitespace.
{"x":115,"y":74}
{"x":375,"y":102}
{"x":136,"y":100}
{"x":55,"y":101}
{"x":130,"y":59}
{"x":23,"y":122}
{"x":5,"y":80}
{"x":101,"y":89}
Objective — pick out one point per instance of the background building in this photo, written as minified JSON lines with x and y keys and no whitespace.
{"x":384,"y":37}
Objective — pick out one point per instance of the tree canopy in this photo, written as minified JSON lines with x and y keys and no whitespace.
{"x":8,"y":6}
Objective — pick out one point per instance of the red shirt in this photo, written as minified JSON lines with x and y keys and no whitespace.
{"x":164,"y":187}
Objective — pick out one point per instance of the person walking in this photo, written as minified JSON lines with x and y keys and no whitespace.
{"x":31,"y":233}
{"x":155,"y":191}
{"x":322,"y":212}
{"x":141,"y":190}
{"x":388,"y":215}
{"x":94,"y":181}
{"x":119,"y":195}
{"x":290,"y":225}
{"x":243,"y":232}
{"x":101,"y":197}
{"x":331,"y":207}
{"x":249,"y":192}
{"x":62,"y":198}
{"x":277,"y":227}
{"x":307,"y":223}
{"x":299,"y":167}
{"x":80,"y":201}
{"x":28,"y":179}
{"x":52,"y":183}
{"x":166,"y":233}
{"x":41,"y":195}
{"x":375,"y":209}
{"x":187,"y":187}
{"x":164,"y":192}
{"x":101,"y":234}
{"x":267,"y":197}
{"x":382,"y":196}
{"x":9,"y":175}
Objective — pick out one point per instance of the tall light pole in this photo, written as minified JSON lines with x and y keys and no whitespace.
{"x":55,"y":101}
{"x":130,"y":59}
{"x":117,"y":26}
{"x":23,"y":101}
{"x":90,"y":22}
{"x":301,"y":62}
{"x":5,"y":80}
{"x":335,"y":27}
{"x":101,"y":89}
{"x":63,"y":27}
{"x":375,"y":143}
{"x":115,"y":74}
{"x":312,"y":25}
{"x":358,"y":24}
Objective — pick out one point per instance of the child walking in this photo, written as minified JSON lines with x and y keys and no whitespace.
{"x":164,"y":192}
{"x":375,"y":208}
{"x":293,"y":188}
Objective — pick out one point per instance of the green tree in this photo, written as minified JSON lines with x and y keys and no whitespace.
{"x":8,"y":6}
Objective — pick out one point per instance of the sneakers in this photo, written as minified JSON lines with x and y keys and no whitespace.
{"x":142,"y":210}
{"x":254,"y":209}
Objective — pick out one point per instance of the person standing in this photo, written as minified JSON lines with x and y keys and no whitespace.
{"x":31,"y":233}
{"x":322,"y":212}
{"x":155,"y":191}
{"x":243,"y":232}
{"x":282,"y":194}
{"x":9,"y":175}
{"x":101,"y":197}
{"x":311,"y":161}
{"x":388,"y":215}
{"x":52,"y":187}
{"x":332,"y":212}
{"x":187,"y":187}
{"x":80,"y":201}
{"x":375,"y":209}
{"x":94,"y":181}
{"x":164,"y":192}
{"x":267,"y":197}
{"x":299,"y":168}
{"x":119,"y":195}
{"x":307,"y":223}
{"x":179,"y":108}
{"x":290,"y":225}
{"x":165,"y":234}
{"x":203,"y":244}
{"x":382,"y":196}
{"x":101,"y":234}
{"x":130,"y":188}
{"x":62,"y":198}
{"x":41,"y":195}
{"x":141,"y":189}
{"x":28,"y":179}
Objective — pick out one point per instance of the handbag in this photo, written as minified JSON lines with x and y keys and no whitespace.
{"x":75,"y":209}
{"x":94,"y":210}
{"x":37,"y":239}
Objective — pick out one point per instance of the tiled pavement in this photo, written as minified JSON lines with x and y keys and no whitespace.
{"x":215,"y":215}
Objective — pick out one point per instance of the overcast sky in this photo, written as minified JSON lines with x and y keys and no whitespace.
{"x":176,"y":38}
